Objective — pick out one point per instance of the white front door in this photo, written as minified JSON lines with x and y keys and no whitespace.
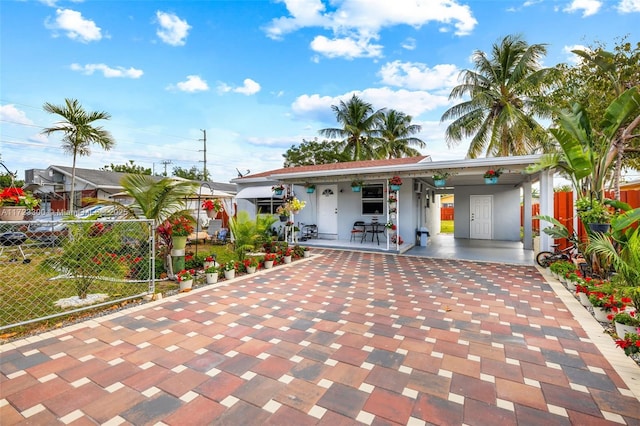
{"x":481,"y":217}
{"x":328,"y":210}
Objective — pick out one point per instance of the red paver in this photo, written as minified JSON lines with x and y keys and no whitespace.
{"x":323,"y":342}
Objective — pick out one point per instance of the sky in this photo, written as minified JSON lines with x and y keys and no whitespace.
{"x":257,"y":76}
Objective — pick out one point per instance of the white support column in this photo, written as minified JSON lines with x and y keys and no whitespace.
{"x":546,"y":206}
{"x":527,"y":216}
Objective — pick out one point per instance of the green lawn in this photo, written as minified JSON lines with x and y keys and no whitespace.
{"x":446,"y":227}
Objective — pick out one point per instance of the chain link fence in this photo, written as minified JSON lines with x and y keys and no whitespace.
{"x":53,"y":268}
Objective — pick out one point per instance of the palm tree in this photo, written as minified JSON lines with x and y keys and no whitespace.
{"x":395,"y":135}
{"x":78,"y":132}
{"x":359,"y":127}
{"x":506,"y":92}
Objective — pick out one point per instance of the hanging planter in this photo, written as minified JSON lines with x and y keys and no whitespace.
{"x":311,"y":188}
{"x":490,"y":180}
{"x":356,"y":185}
{"x":395,"y":183}
{"x":491,"y":176}
{"x":278,"y":189}
{"x":439,"y":182}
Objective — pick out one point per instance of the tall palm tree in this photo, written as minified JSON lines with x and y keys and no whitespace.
{"x":506,"y":91}
{"x":395,"y":135}
{"x":78,"y":132}
{"x":359,"y":127}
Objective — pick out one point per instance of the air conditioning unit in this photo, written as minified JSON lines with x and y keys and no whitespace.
{"x":417,"y":187}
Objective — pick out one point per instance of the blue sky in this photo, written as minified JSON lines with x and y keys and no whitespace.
{"x":258,"y":76}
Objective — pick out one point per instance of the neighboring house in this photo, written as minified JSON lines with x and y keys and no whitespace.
{"x":630,"y":186}
{"x":481,"y":211}
{"x":53,"y":186}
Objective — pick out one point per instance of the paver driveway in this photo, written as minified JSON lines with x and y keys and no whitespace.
{"x":344,"y":338}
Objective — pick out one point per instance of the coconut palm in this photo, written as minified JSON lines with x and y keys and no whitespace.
{"x":79,"y":132}
{"x":359,"y":128}
{"x":506,"y":91}
{"x":395,"y":135}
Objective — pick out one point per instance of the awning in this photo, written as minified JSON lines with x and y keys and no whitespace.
{"x":257,"y":192}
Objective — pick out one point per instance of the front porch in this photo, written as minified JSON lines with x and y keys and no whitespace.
{"x":442,"y":246}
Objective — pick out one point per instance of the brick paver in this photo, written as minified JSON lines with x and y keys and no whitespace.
{"x":342,"y":338}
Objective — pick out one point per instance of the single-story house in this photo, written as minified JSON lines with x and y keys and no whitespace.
{"x":482,"y":211}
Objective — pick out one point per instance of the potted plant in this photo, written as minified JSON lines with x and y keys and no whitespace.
{"x":251,"y":264}
{"x":295,"y":205}
{"x":278,"y":189}
{"x":212,"y":207}
{"x":209,"y":261}
{"x":594,"y":214}
{"x":440,"y":178}
{"x":180,"y":228}
{"x":626,"y":322}
{"x":603,"y":303}
{"x":268,"y":260}
{"x":286,"y":255}
{"x":185,"y":278}
{"x":491,"y":176}
{"x":356,"y":185}
{"x":392,"y":199}
{"x":390,"y":226}
{"x":14,"y":203}
{"x":310,"y":187}
{"x":212,"y":274}
{"x":229,"y":269}
{"x":395,"y":183}
{"x":630,"y":343}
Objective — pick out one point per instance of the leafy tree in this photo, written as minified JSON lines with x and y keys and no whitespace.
{"x":78,"y":132}
{"x":314,"y":152}
{"x":506,"y":93}
{"x":8,"y":179}
{"x":127,"y":168}
{"x":358,"y":131}
{"x":192,"y":174}
{"x":395,"y":133}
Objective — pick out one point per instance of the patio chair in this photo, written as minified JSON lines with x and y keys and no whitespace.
{"x":309,"y":232}
{"x":357,"y":229}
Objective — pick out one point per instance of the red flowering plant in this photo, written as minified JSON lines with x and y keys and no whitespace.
{"x":491,"y":173}
{"x":215,"y":205}
{"x":396,"y":180}
{"x":626,"y":318}
{"x":185,"y":275}
{"x":630,"y":343}
{"x":608,"y":302}
{"x":390,"y":225}
{"x":179,"y":227}
{"x":13,"y":196}
{"x":270,"y":256}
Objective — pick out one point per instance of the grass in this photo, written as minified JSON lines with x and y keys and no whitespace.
{"x":446,"y":226}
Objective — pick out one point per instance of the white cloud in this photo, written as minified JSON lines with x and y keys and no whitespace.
{"x":107,"y":71}
{"x":355,"y":22}
{"x":13,"y":115}
{"x":193,"y":84}
{"x":173,"y":30}
{"x":629,"y":6}
{"x":414,"y":75}
{"x":413,"y":103}
{"x":249,"y":87}
{"x":345,"y":47}
{"x":588,"y":7}
{"x":572,"y":58}
{"x":409,"y":43}
{"x":75,"y":26}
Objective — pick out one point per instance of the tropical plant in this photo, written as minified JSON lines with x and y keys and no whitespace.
{"x":395,"y":135}
{"x":359,"y":121}
{"x":506,"y":93}
{"x":249,"y":234}
{"x":78,"y":132}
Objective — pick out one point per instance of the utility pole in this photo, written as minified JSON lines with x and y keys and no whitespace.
{"x":204,"y":141}
{"x":165,"y":163}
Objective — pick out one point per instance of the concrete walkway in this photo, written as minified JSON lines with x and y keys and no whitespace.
{"x":341,"y":338}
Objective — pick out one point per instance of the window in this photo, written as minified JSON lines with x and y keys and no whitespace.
{"x":372,"y":199}
{"x":268,"y":205}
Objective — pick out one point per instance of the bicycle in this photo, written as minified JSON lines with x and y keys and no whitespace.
{"x":546,"y":258}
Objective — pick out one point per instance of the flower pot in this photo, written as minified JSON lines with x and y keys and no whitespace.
{"x":251,"y":269}
{"x":356,"y":188}
{"x":283,"y":218}
{"x":584,"y":299}
{"x":600,"y":314}
{"x":395,"y":187}
{"x":278,"y":191}
{"x":230,"y":274}
{"x":307,"y":253}
{"x":206,"y":265}
{"x":622,"y":329}
{"x":571,"y":285}
{"x":287,"y":259}
{"x":491,"y":180}
{"x":599,"y":227}
{"x":12,"y":213}
{"x":211,"y":214}
{"x":212,"y":278}
{"x":179,"y":243}
{"x":439,"y":182}
{"x":186,"y":285}
{"x":310,"y":190}
{"x":268,"y":264}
